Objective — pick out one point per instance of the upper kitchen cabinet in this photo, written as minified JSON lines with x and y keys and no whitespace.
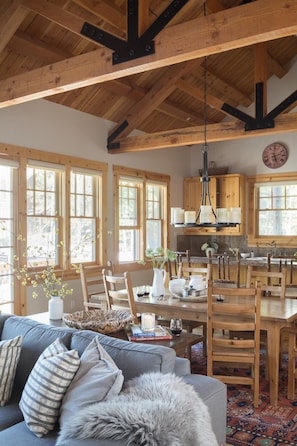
{"x":226,"y":191}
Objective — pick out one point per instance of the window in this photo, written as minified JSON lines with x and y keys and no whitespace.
{"x":44,"y":215}
{"x":141,"y":212}
{"x":51,"y":212}
{"x":7,"y":214}
{"x":84,"y":216}
{"x":277,"y":209}
{"x":273,"y":209}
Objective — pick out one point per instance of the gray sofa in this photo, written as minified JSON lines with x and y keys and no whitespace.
{"x":132,"y":358}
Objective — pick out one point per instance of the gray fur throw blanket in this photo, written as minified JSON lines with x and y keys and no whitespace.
{"x":154,"y":409}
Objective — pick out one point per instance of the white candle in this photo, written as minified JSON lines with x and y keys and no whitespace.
{"x":205,"y":214}
{"x":222,"y":215}
{"x":179,"y":215}
{"x":235,"y":215}
{"x":190,"y":217}
{"x":148,"y":321}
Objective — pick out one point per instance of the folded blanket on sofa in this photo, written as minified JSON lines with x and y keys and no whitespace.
{"x":154,"y":409}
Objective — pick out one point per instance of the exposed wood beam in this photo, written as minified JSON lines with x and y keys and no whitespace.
{"x":23,"y":44}
{"x":103,"y":9}
{"x":12,"y":15}
{"x":234,"y":28}
{"x":157,"y":94}
{"x":286,"y":122}
{"x":198,"y":93}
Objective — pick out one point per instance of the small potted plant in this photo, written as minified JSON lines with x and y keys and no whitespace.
{"x":210,"y":248}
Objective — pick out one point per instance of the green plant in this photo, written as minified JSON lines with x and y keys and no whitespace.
{"x":159,"y":257}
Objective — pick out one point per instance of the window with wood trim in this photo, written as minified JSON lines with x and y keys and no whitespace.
{"x":273,"y":209}
{"x":50,"y":212}
{"x":141,"y":212}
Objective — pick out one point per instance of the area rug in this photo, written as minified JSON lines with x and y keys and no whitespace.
{"x":264,"y":426}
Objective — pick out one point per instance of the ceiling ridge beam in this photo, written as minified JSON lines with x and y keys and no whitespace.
{"x":229,"y":29}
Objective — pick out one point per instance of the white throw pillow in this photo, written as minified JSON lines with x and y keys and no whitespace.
{"x":46,"y":385}
{"x":9,"y":357}
{"x":97,"y":379}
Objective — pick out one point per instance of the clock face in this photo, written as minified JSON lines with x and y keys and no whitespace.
{"x":275,"y":155}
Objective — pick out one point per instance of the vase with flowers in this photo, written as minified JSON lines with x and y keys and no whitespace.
{"x":32,"y":274}
{"x":210,"y":248}
{"x":158,"y":259}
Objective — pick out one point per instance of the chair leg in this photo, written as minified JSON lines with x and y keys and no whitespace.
{"x":291,"y":366}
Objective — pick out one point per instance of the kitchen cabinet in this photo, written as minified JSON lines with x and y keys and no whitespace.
{"x":226,"y":191}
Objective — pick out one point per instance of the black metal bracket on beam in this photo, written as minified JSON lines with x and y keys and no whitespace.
{"x":112,"y":136}
{"x":134,"y":46}
{"x":260,"y":121}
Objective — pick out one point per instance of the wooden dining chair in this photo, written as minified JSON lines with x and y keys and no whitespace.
{"x":240,"y":310}
{"x":225,"y":269}
{"x":291,"y":332}
{"x":92,"y":284}
{"x":273,"y":283}
{"x":172,"y":265}
{"x":186,"y":272}
{"x":278,"y":263}
{"x":119,"y":293}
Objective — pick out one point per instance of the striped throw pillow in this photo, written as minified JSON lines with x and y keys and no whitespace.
{"x":46,"y":385}
{"x":9,"y":357}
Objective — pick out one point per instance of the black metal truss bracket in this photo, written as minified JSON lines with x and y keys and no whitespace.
{"x":112,"y":136}
{"x":260,"y":121}
{"x":134,"y":46}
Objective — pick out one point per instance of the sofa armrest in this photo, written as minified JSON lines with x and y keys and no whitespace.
{"x":182,"y":366}
{"x":214,"y":394}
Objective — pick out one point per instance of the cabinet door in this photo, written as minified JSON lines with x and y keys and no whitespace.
{"x":193,"y":192}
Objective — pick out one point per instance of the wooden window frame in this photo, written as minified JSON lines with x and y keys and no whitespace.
{"x":23,"y":156}
{"x":145,"y":177}
{"x":254,"y":239}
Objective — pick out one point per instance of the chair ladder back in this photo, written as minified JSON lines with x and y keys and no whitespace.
{"x":173,"y":265}
{"x":239,"y":311}
{"x":92,"y":284}
{"x":119,"y":293}
{"x":269,"y":287}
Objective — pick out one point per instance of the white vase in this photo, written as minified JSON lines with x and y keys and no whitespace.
{"x":55,"y":308}
{"x":158,"y":288}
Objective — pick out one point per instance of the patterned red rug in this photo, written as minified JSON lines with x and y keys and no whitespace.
{"x":264,"y":426}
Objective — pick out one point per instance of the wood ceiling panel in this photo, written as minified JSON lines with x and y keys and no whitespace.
{"x":53,"y":34}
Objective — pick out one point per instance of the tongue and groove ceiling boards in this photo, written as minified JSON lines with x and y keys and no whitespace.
{"x":140,"y":64}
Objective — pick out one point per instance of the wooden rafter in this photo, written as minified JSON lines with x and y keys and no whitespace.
{"x":235,"y":28}
{"x":286,"y":122}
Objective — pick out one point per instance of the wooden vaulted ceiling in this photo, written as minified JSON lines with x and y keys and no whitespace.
{"x":43,"y":54}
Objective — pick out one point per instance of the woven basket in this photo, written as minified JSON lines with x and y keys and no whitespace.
{"x":102,"y":321}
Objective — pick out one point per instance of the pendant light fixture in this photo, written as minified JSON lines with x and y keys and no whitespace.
{"x":206,"y":215}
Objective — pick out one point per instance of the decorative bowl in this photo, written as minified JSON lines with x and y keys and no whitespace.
{"x":102,"y":321}
{"x":244,"y":255}
{"x":176,"y":286}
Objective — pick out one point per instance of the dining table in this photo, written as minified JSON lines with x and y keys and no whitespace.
{"x":276,"y":314}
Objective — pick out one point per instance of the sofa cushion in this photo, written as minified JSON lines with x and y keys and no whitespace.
{"x":46,"y":386}
{"x":9,"y":357}
{"x":11,"y":414}
{"x":36,"y":338}
{"x":133,"y":358}
{"x":97,"y":378}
